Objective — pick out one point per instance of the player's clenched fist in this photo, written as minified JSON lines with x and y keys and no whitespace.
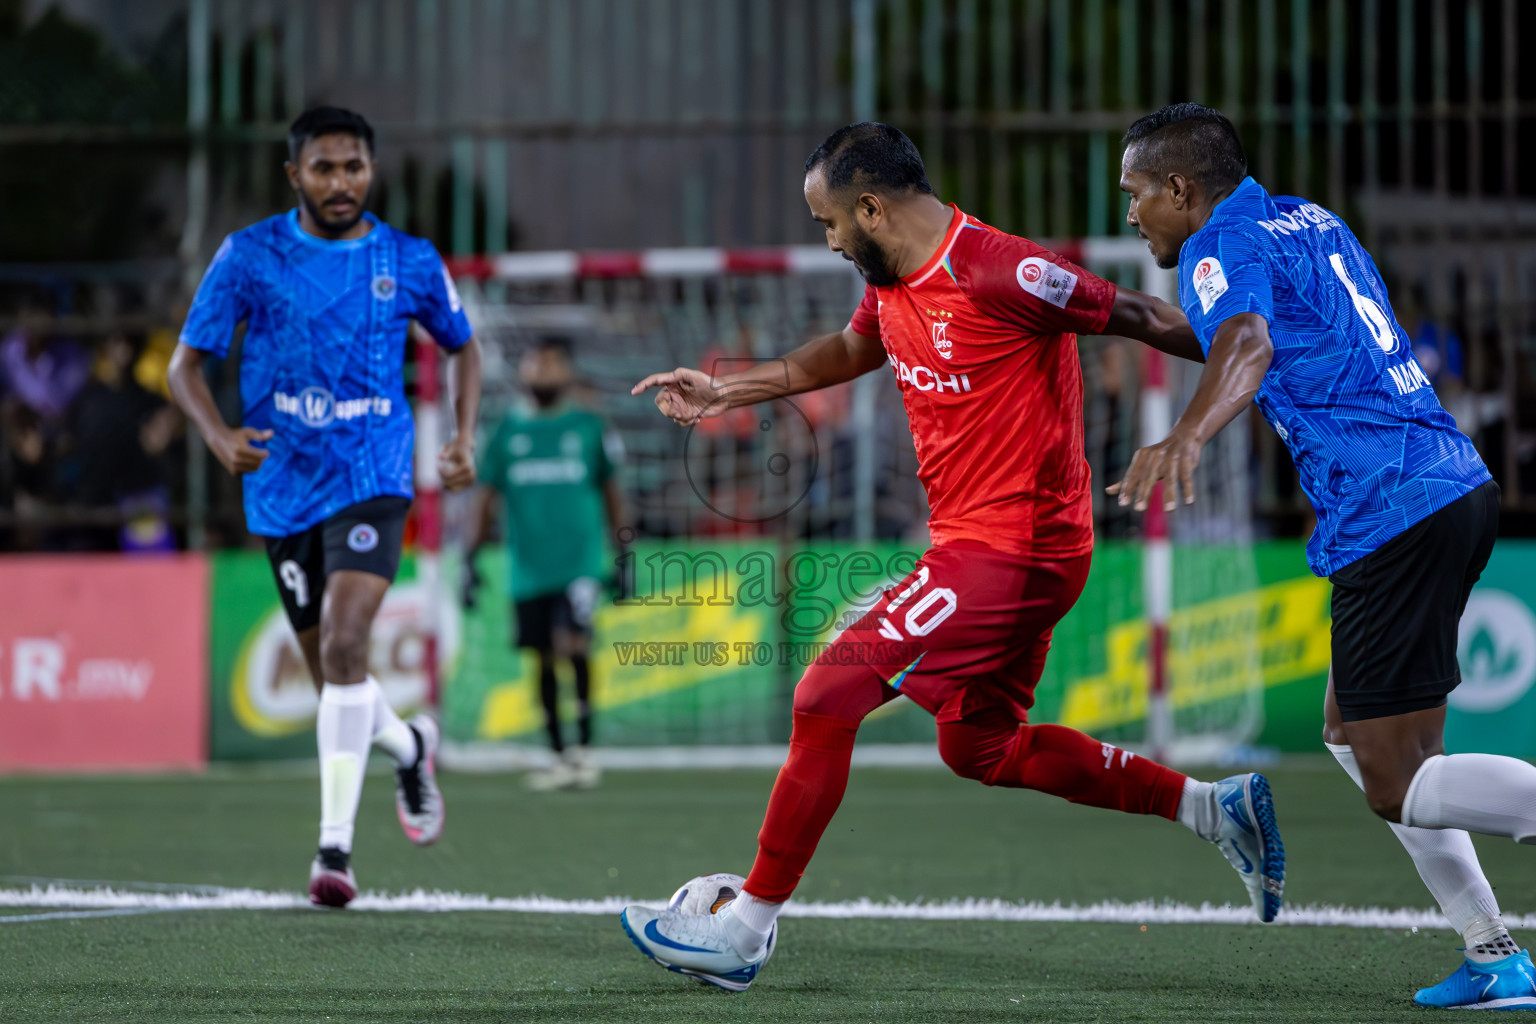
{"x":686,"y":396}
{"x":456,"y":464}
{"x":236,"y":452}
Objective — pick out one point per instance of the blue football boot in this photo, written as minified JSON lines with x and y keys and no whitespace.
{"x":1250,"y":839}
{"x":1507,"y":984}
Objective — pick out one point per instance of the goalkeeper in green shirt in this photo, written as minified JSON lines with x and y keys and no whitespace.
{"x":553,"y":465}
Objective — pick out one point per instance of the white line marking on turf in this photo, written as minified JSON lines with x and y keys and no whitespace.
{"x":1144,"y":912}
{"x":69,"y":915}
{"x":103,"y":883}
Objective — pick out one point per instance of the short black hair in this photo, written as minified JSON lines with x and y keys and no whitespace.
{"x":871,"y":157}
{"x":1187,"y":138}
{"x":318,"y":121}
{"x":554,"y":343}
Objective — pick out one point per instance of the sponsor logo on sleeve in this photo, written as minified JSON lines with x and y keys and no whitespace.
{"x":1210,"y":282}
{"x":1045,"y":280}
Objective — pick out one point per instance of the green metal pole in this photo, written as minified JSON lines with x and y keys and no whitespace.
{"x":1301,"y":99}
{"x":198,"y":103}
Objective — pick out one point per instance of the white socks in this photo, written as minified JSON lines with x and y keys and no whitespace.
{"x":1447,"y":863}
{"x":753,"y":920}
{"x":1477,"y":792}
{"x":343,"y":733}
{"x":390,"y":733}
{"x":1197,"y":811}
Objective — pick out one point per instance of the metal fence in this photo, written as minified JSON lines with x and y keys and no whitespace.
{"x":590,"y":124}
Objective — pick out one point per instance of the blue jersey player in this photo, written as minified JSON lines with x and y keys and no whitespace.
{"x":1293,"y":315}
{"x":326,"y":445}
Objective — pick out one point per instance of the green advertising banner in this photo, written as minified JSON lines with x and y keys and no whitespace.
{"x":263,"y":701}
{"x":1248,"y":649}
{"x":1493,"y":711}
{"x":677,"y":664}
{"x":710,"y":648}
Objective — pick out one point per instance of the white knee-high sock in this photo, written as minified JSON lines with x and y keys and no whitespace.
{"x":390,"y":733}
{"x":343,"y":732}
{"x":1448,"y":864}
{"x":1477,"y":792}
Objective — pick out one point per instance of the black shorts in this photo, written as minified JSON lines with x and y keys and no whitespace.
{"x":1396,"y":611}
{"x":366,"y":537}
{"x":570,"y":611}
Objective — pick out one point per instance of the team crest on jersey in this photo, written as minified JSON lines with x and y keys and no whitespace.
{"x":383,"y":287}
{"x":942,"y":344}
{"x":1045,"y":280}
{"x":362,"y":538}
{"x":1210,"y":282}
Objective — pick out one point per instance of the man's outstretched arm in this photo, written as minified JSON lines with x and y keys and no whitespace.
{"x":1151,"y":321}
{"x":688,"y":395}
{"x":1240,"y":356}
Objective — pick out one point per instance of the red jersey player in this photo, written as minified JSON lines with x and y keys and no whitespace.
{"x":979,"y":328}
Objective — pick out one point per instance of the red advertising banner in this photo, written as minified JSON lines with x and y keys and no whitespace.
{"x":103,"y":662}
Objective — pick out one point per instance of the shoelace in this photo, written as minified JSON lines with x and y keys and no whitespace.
{"x":693,"y":929}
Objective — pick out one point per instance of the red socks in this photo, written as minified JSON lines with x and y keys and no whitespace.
{"x":1050,"y":758}
{"x":805,"y":796}
{"x":1077,"y":767}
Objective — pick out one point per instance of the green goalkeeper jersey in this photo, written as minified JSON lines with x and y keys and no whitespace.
{"x":550,"y":466}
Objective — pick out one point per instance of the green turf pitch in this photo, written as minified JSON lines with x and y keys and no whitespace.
{"x":904,"y":834}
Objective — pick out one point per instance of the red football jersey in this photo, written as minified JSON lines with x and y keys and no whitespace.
{"x":983,"y":340}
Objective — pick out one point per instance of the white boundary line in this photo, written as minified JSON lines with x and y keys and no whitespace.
{"x":73,"y":915}
{"x":116,"y":900}
{"x":498,"y":757}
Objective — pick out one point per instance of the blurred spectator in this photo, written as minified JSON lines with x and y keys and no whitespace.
{"x":41,"y":380}
{"x":45,"y":377}
{"x":1436,"y":347}
{"x":1440,"y":354}
{"x":121,"y":433}
{"x":150,"y":368}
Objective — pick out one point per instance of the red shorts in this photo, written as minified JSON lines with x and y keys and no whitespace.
{"x":974,"y":625}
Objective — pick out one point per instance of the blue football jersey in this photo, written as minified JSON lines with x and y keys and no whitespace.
{"x":322,"y":361}
{"x":1375,"y":450}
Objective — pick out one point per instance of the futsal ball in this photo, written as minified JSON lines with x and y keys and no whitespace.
{"x":706,"y":894}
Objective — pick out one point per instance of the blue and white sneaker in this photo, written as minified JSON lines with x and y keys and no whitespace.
{"x":696,"y":945}
{"x":1250,"y":839}
{"x":1507,"y":984}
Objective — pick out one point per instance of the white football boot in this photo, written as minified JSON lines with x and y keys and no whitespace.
{"x":331,"y":882}
{"x":585,"y":772}
{"x":698,"y":945}
{"x":418,"y":801}
{"x":559,"y":775}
